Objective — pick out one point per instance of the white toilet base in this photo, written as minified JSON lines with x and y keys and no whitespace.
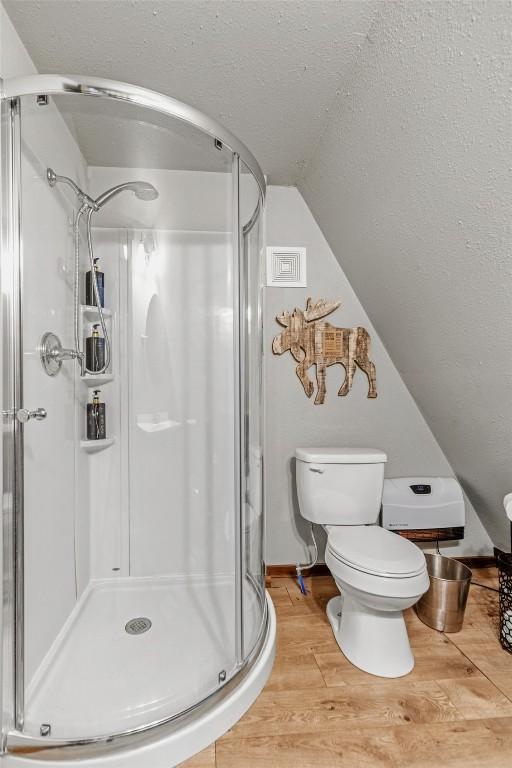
{"x":375,"y":641}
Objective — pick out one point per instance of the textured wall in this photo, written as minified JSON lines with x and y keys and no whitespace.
{"x":411,"y":185}
{"x":392,"y":421}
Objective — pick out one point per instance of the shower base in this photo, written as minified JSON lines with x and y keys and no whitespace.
{"x":101,"y":678}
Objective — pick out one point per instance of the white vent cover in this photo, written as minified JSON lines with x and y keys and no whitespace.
{"x":286,"y":266}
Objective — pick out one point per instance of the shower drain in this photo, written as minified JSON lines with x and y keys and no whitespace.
{"x":138,"y":626}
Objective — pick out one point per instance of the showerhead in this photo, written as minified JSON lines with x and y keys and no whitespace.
{"x":146,"y":191}
{"x":143,"y":190}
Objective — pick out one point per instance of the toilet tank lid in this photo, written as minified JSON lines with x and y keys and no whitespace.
{"x":341,"y":455}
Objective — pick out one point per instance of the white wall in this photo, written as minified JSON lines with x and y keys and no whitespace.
{"x":174,"y":319}
{"x":107,"y":481}
{"x":411,"y":185}
{"x":182,"y":405}
{"x":391,"y":422}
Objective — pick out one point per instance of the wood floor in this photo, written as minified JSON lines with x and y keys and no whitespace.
{"x":318,"y":711}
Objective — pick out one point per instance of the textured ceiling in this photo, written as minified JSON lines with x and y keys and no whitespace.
{"x":268,"y":70}
{"x":407,"y":148}
{"x":412,"y":186}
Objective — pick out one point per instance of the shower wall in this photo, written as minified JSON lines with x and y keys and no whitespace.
{"x":57,"y":505}
{"x":156,"y":506}
{"x":54,"y":503}
{"x":166,"y":504}
{"x":161,"y":499}
{"x":182,"y":488}
{"x":101,"y":550}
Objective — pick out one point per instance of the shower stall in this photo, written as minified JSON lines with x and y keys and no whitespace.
{"x":135,"y":626}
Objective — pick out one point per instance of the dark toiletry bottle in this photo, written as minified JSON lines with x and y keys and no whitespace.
{"x":95,"y":350}
{"x":96,"y":419}
{"x":90,"y":298}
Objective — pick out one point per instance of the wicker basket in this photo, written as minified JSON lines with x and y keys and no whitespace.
{"x":504,"y":563}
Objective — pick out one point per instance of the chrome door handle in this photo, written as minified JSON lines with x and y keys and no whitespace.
{"x":23,"y":414}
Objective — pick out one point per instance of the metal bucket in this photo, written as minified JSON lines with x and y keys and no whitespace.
{"x":442,"y":606}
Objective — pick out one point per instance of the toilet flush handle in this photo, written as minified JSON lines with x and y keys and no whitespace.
{"x":318,"y":470}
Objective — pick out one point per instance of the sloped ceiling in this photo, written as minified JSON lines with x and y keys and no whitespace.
{"x":248,"y":64}
{"x":394,"y":119}
{"x":412,"y":186}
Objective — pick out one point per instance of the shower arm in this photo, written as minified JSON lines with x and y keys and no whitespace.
{"x":54,"y":178}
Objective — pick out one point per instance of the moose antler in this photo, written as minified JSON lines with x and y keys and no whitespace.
{"x":284,"y":319}
{"x":320,"y":308}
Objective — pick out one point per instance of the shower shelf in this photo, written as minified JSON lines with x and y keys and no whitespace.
{"x":91,"y":314}
{"x":93,"y":446}
{"x":92,"y":380}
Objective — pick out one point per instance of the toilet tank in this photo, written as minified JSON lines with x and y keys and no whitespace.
{"x":340,"y":486}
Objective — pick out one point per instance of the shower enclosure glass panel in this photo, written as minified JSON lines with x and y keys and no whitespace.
{"x":252,"y":405}
{"x":142,"y":575}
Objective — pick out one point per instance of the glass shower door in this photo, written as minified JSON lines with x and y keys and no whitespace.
{"x":142,"y":551}
{"x":181,"y":447}
{"x":129,"y":546}
{"x":39,"y":412}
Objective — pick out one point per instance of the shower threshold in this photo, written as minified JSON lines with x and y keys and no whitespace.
{"x":99,"y":679}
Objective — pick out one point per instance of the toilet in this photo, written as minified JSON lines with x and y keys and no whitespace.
{"x":378,"y":573}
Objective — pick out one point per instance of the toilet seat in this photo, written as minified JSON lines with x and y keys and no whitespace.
{"x":375,"y":551}
{"x":397,"y":570}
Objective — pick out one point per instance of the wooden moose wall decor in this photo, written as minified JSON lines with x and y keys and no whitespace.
{"x":315,"y":342}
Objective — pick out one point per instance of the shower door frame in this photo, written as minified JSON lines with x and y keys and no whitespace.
{"x":11,"y":551}
{"x":12,"y":432}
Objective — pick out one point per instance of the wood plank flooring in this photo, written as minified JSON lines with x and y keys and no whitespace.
{"x":318,"y":711}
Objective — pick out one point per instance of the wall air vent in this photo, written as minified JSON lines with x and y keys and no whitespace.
{"x":286,"y":267}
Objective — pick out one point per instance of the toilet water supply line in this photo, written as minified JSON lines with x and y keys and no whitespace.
{"x":307,"y":566}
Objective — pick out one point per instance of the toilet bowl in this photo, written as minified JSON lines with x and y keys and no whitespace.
{"x":379,"y":573}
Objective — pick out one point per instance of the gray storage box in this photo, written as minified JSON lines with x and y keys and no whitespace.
{"x":424,"y":503}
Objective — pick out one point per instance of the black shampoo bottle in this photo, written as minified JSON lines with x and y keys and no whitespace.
{"x":90,"y":298}
{"x":95,"y":350}
{"x":96,"y":418}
